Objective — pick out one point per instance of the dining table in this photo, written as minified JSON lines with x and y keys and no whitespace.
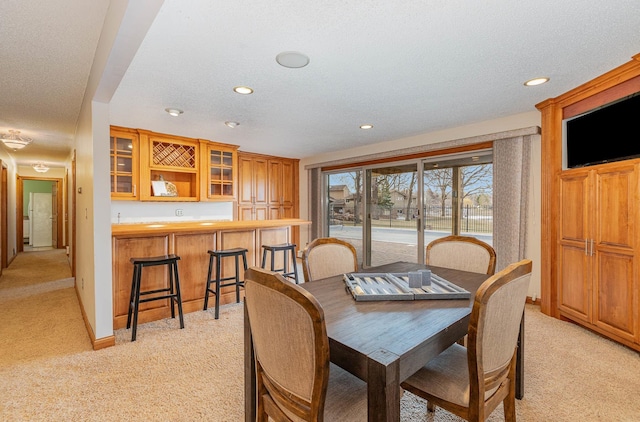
{"x":382,"y":342}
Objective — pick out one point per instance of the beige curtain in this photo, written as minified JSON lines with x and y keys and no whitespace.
{"x":511,"y":162}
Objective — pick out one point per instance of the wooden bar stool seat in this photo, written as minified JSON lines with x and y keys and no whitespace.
{"x":172,"y":292}
{"x":217,"y":256}
{"x":287,"y":248}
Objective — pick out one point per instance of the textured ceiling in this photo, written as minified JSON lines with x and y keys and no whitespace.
{"x":406,"y":67}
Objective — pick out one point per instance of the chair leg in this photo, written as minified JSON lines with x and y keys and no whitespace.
{"x":172,"y":290}
{"x":218,"y":270}
{"x":136,"y":303}
{"x":206,"y":292}
{"x":132,"y":296}
{"x":237,"y":259}
{"x":431,"y":407}
{"x":178,"y":295}
{"x":295,"y":265}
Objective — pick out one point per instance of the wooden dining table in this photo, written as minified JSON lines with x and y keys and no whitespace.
{"x":382,"y":342}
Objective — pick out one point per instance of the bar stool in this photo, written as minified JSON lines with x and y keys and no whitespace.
{"x":172,"y":292}
{"x":286,"y":248}
{"x":217,"y":256}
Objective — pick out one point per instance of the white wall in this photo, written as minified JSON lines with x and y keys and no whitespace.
{"x":514,"y":122}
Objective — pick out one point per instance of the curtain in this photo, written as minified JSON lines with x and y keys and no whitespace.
{"x":511,"y":162}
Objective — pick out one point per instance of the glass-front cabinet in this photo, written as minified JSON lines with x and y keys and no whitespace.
{"x":219,"y":171}
{"x":124,"y":148}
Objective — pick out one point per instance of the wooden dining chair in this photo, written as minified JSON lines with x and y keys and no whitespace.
{"x":294,"y":378}
{"x":328,"y":256}
{"x":463,"y":253}
{"x":471,"y":382}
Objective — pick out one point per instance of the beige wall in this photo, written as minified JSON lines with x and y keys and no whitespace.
{"x":514,"y":122}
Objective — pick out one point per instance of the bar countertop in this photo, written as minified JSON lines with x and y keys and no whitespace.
{"x":201,"y":225}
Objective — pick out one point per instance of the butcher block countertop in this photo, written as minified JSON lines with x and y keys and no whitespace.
{"x":201,"y":226}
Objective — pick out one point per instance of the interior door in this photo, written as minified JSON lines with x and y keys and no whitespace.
{"x":54,"y":214}
{"x":41,"y":216}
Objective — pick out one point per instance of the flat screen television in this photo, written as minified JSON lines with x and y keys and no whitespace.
{"x":608,"y":133}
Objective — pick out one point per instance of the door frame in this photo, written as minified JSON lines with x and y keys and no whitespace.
{"x":20,"y":210}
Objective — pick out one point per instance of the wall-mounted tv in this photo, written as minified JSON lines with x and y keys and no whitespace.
{"x":608,"y":133}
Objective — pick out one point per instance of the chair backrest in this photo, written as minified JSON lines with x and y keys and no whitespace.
{"x":493,"y":330}
{"x":291,"y":347}
{"x":463,"y":253}
{"x":328,"y":256}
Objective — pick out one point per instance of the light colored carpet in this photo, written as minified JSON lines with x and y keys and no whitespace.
{"x":196,"y":374}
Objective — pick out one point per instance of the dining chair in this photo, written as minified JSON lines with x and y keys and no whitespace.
{"x":463,"y":253}
{"x":472,"y":381}
{"x":328,"y":256}
{"x":294,"y":378}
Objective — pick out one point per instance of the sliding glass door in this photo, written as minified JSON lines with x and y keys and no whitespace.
{"x":458,"y":197}
{"x":390,"y":213}
{"x":345,"y":207}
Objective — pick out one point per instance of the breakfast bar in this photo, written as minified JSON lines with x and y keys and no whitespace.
{"x":191,"y":241}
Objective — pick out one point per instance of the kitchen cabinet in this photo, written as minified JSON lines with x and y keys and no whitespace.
{"x":282,"y":188}
{"x":268,"y":187}
{"x":172,"y":159}
{"x":252,"y":184}
{"x":597,"y":281}
{"x":124,"y":164}
{"x":219,"y":171}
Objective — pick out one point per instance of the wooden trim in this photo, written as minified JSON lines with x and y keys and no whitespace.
{"x":455,"y":150}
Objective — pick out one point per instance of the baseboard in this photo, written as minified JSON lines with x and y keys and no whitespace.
{"x":533,"y":301}
{"x":100,"y":343}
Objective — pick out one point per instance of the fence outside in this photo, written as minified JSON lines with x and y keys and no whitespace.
{"x":473,"y":219}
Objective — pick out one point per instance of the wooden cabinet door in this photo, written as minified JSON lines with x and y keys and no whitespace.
{"x":574,"y":278}
{"x":615,"y":293}
{"x":219,"y":171}
{"x":124,"y":154}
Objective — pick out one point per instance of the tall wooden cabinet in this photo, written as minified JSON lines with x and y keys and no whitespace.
{"x":252,"y":187}
{"x":268,"y":187}
{"x":590,"y":220}
{"x":597,"y":263}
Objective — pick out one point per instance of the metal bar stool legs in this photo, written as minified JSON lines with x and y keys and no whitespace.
{"x":216,"y":256}
{"x":287,"y":248}
{"x":172,"y":292}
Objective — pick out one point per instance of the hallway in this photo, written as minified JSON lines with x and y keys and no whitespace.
{"x":39,"y":309}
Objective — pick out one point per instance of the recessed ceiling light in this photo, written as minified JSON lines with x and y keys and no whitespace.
{"x":174,"y":111}
{"x":243,"y":90}
{"x":536,"y":81}
{"x":366,"y":126}
{"x":292,"y":59}
{"x":231,"y":124}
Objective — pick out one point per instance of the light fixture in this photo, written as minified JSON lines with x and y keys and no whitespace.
{"x":14,"y":141}
{"x":366,"y":126}
{"x":40,"y":168}
{"x":244,"y":90}
{"x":292,"y":59}
{"x":231,"y":124}
{"x":175,"y":112}
{"x":536,"y":81}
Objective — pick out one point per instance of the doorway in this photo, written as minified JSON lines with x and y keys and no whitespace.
{"x":39,"y":205}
